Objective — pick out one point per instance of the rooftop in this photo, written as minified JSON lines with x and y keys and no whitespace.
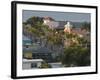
{"x":32,"y":60}
{"x":37,"y":50}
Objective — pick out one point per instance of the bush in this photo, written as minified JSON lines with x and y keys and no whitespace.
{"x":45,"y":65}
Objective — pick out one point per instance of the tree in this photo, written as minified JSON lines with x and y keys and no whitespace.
{"x":34,"y":20}
{"x":86,"y":26}
{"x":76,"y":56}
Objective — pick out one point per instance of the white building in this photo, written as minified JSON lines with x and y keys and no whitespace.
{"x":31,"y":63}
{"x":50,"y":22}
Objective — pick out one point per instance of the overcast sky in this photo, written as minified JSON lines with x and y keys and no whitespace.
{"x":58,"y":16}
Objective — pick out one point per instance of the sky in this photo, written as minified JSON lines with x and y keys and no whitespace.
{"x":58,"y":16}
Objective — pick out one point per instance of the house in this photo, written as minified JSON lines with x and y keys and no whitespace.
{"x":37,"y":53}
{"x":53,"y":24}
{"x":31,"y":63}
{"x":50,"y":22}
{"x":43,"y":53}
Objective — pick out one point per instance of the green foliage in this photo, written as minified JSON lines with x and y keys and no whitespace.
{"x":70,"y":36}
{"x":34,"y":20}
{"x":76,"y":56}
{"x":54,"y":38}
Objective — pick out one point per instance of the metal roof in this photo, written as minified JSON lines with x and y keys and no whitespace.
{"x":37,"y":50}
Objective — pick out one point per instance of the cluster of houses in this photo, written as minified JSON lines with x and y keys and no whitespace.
{"x":34,"y":54}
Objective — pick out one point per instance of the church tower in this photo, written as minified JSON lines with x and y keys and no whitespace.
{"x":68,"y":27}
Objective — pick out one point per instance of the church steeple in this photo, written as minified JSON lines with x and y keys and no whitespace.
{"x":68,"y":27}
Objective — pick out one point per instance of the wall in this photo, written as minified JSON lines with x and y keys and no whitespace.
{"x":5,"y":40}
